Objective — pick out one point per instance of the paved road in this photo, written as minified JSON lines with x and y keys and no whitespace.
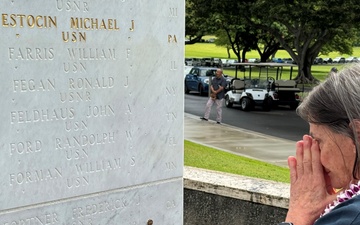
{"x":281,"y":122}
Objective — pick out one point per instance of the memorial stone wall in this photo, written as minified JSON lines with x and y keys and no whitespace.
{"x":91,"y":112}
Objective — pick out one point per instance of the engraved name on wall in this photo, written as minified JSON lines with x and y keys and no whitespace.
{"x":71,"y":121}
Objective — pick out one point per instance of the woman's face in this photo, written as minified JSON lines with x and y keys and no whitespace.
{"x":337,"y":155}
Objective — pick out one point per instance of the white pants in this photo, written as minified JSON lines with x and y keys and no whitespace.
{"x":209,"y":104}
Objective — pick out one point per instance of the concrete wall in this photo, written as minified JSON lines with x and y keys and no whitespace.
{"x":215,"y":198}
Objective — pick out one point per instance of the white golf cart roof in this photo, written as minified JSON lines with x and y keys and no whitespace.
{"x":266,"y":65}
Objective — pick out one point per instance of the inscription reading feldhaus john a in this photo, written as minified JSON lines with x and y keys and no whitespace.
{"x":41,"y":115}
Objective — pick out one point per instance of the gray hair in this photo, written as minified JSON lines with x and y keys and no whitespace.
{"x":335,"y":103}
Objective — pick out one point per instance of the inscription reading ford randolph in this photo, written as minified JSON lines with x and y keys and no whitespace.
{"x":85,"y":140}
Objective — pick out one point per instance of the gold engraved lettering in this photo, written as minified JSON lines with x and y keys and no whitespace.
{"x":46,"y":218}
{"x":76,"y":182}
{"x":26,"y":147}
{"x":83,"y":96}
{"x":84,"y":140}
{"x":41,"y":115}
{"x":79,"y":6}
{"x":172,"y":39}
{"x":132,"y":28}
{"x":31,"y":53}
{"x":33,"y":85}
{"x":100,"y":111}
{"x":20,"y":20}
{"x":36,"y":176}
{"x":91,"y":83}
{"x":75,"y":67}
{"x":93,"y":24}
{"x":91,"y":54}
{"x":74,"y":36}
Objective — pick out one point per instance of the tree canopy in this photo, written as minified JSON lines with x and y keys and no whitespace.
{"x":304,"y":28}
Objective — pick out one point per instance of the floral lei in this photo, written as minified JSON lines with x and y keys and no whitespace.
{"x":343,"y":196}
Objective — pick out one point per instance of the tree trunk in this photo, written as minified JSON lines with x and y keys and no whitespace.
{"x":304,"y":75}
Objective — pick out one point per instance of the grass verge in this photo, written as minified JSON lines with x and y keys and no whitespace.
{"x":200,"y":156}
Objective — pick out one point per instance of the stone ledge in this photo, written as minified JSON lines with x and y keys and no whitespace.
{"x":239,"y":187}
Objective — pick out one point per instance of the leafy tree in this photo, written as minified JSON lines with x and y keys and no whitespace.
{"x":242,"y":36}
{"x":222,"y":40}
{"x":305,"y":27}
{"x":197,"y":23}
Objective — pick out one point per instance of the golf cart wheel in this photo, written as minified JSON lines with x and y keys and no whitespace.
{"x":245,"y":104}
{"x":228,"y":103}
{"x":267,"y":104}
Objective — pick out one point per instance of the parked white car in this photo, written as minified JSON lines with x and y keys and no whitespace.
{"x":351,"y":59}
{"x":339,"y":59}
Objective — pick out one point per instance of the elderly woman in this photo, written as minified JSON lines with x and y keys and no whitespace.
{"x":325,"y":187}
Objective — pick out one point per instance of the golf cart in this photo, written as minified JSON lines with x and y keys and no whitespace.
{"x":265,"y":90}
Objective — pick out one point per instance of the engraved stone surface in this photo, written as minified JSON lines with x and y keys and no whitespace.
{"x":92,"y":107}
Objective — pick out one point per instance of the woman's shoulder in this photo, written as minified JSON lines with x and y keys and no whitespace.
{"x":346,"y":213}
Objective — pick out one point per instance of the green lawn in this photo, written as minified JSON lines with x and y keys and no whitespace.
{"x":201,"y":50}
{"x":213,"y":159}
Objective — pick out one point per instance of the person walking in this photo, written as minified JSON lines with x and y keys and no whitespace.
{"x":325,"y":172}
{"x":217,"y":89}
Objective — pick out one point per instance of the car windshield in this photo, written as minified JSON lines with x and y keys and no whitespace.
{"x":207,"y":73}
{"x":256,"y":83}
